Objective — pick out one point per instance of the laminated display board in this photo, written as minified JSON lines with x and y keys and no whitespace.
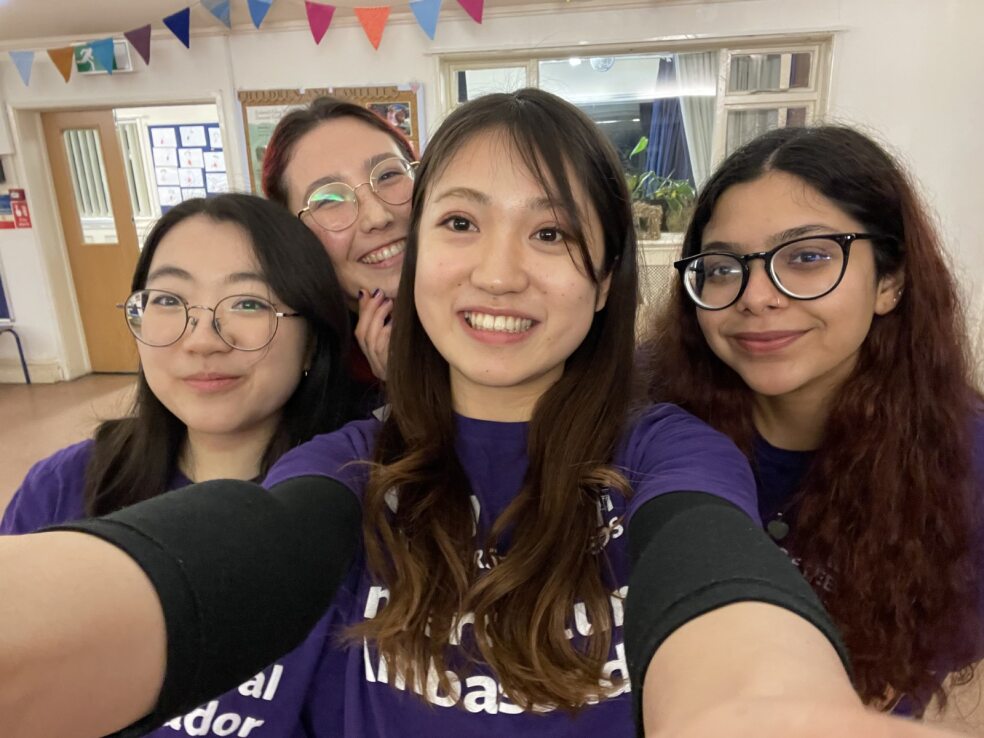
{"x":263,"y":109}
{"x":189,"y":161}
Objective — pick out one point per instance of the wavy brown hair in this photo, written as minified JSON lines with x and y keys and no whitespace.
{"x":886,"y":504}
{"x":425,"y":551}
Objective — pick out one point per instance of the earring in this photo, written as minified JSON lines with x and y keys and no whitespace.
{"x":306,"y":372}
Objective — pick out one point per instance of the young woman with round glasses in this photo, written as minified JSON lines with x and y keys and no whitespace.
{"x":241,"y":327}
{"x":818,"y":324}
{"x":348,"y":175}
{"x":531,"y":536}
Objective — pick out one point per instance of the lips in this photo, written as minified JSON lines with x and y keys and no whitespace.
{"x":211,"y":381}
{"x":495,"y":326}
{"x":384,"y":253}
{"x":763,"y":342}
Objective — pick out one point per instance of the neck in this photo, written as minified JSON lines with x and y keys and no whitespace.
{"x":208,"y":456}
{"x":793,"y":422}
{"x":502,"y":404}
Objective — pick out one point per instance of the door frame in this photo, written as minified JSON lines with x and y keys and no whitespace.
{"x":32,"y":168}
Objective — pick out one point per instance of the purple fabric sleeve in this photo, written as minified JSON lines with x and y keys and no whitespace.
{"x":670,"y":450}
{"x":50,"y":493}
{"x":338,"y":455}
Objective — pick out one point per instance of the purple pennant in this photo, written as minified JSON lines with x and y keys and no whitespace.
{"x":180,"y":25}
{"x":426,"y":12}
{"x":258,"y":10}
{"x":102,"y":52}
{"x":23,"y":60}
{"x":140,"y":39}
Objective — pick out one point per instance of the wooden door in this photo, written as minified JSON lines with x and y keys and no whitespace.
{"x":97,"y":220}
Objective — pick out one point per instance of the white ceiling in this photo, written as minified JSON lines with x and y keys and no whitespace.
{"x":22,"y":20}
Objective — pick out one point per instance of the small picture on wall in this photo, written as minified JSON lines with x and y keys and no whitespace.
{"x":193,"y":192}
{"x":165,"y":157}
{"x":167,"y":176}
{"x":191,"y":178}
{"x":169,"y":196}
{"x":191,"y":158}
{"x":163,"y":138}
{"x":217,"y":182}
{"x":397,"y":114}
{"x":214,"y":137}
{"x":192,"y":135}
{"x":214,"y":161}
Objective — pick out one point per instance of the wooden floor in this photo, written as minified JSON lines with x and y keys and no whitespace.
{"x":36,"y":420}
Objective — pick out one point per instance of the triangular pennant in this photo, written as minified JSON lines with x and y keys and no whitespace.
{"x":220,"y":9}
{"x":64,"y":60}
{"x":319,"y":18}
{"x":180,"y":25}
{"x":426,"y":12}
{"x":23,"y":60}
{"x":373,"y":22}
{"x":102,"y":52}
{"x":140,"y":38}
{"x":258,"y":10}
{"x":473,"y":8}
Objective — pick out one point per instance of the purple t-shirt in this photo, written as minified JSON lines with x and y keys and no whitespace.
{"x":355,"y":694}
{"x":779,"y":474}
{"x":269,"y":705}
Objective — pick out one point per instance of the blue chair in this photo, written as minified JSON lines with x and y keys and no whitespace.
{"x":20,"y":349}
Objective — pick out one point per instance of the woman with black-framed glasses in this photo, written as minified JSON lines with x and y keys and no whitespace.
{"x":817,"y":323}
{"x":241,"y":330}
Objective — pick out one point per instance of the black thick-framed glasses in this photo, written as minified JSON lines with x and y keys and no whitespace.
{"x":334,"y":205}
{"x":804,"y":268}
{"x":244,"y":322}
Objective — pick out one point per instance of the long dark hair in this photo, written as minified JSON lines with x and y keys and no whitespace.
{"x":134,"y":458}
{"x":424,"y":552}
{"x":886,"y":504}
{"x":296,"y":124}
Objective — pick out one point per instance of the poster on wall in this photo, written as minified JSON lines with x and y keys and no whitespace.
{"x":262,"y":110}
{"x":6,"y":315}
{"x":189,"y":161}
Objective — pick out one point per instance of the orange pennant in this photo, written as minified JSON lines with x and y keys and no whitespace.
{"x":64,"y":60}
{"x":373,"y":22}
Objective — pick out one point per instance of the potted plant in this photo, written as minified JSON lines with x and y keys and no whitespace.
{"x":659,"y":203}
{"x":647,"y":214}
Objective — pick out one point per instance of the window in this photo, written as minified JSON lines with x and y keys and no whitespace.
{"x":672,"y":113}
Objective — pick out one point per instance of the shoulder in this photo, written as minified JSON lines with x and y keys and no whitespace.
{"x":334,"y":455}
{"x":666,"y":449}
{"x":51,"y":492}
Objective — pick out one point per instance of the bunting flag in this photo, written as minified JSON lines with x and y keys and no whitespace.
{"x":220,"y":9}
{"x":140,"y":39}
{"x":180,"y":25}
{"x":258,"y":10}
{"x":426,"y":12}
{"x":373,"y":22}
{"x":319,"y":18}
{"x":23,"y":60}
{"x":474,"y":8}
{"x":102,"y":52}
{"x":64,"y":60}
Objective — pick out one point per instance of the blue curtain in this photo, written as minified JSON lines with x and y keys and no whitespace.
{"x":667,"y":154}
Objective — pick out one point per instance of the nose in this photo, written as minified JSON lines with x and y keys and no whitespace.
{"x":374,"y":214}
{"x":204,"y":339}
{"x":760,"y":292}
{"x":500,"y":267}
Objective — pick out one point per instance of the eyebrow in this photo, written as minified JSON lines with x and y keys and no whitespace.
{"x":335,"y":177}
{"x":776,"y":238}
{"x":480,"y":198}
{"x":179,"y":273}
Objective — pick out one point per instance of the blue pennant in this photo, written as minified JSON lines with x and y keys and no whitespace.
{"x":180,"y":25}
{"x":23,"y":61}
{"x":426,"y":12}
{"x":102,"y":51}
{"x":220,"y":9}
{"x":258,"y":10}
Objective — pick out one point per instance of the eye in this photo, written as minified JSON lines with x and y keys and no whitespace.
{"x":247,"y":304}
{"x":164,"y":299}
{"x":550,"y":235}
{"x":458,"y":223}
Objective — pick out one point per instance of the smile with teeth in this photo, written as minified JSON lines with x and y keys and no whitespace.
{"x":386,"y":252}
{"x":497,"y":323}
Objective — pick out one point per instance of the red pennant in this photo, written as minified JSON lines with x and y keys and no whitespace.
{"x":64,"y":60}
{"x":473,"y":8}
{"x":140,"y":40}
{"x":319,"y":18}
{"x":373,"y":22}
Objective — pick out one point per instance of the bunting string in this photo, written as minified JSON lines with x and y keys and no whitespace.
{"x":372,"y":18}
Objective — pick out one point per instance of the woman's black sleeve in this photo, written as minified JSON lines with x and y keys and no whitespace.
{"x":242,"y":573}
{"x":693,"y":552}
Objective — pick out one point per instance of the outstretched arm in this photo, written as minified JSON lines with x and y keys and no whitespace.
{"x":214,"y":581}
